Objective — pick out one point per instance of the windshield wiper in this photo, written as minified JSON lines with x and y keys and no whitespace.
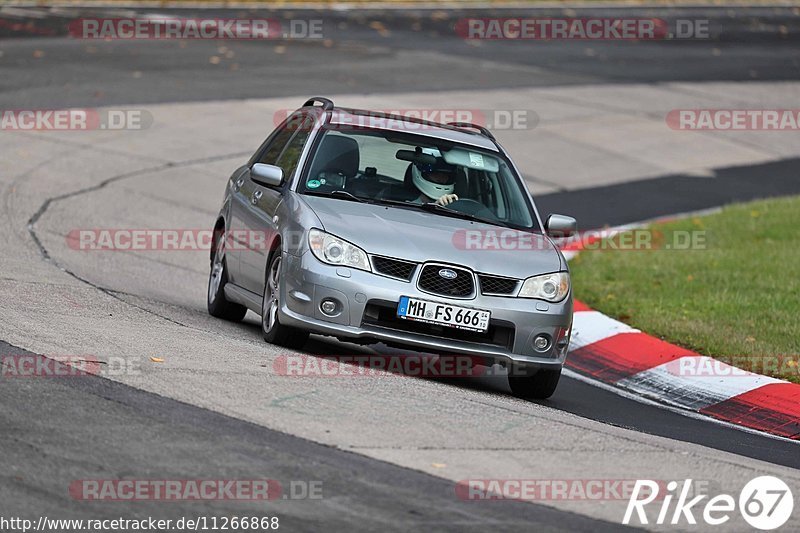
{"x":399,"y":203}
{"x":436,"y":208}
{"x":348,"y":196}
{"x":344,"y":195}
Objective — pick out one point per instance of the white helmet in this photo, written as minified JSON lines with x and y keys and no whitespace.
{"x":433,"y":189}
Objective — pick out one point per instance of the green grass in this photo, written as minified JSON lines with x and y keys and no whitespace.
{"x":739,"y":296}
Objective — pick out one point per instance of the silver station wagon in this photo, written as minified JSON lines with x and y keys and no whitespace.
{"x":371,"y":227}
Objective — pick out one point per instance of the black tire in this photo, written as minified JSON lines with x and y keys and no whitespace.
{"x":274,"y":332}
{"x":533,"y":384}
{"x":218,"y":305}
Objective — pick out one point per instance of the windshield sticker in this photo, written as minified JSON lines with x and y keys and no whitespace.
{"x":313,"y":184}
{"x":476,"y":160}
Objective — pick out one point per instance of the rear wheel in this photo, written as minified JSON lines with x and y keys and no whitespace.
{"x":218,"y":305}
{"x":274,"y":332}
{"x":531,"y":383}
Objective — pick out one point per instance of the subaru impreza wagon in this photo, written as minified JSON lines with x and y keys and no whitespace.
{"x":371,"y":227}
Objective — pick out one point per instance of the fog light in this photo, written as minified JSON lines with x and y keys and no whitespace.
{"x":328,"y":307}
{"x":541,"y":342}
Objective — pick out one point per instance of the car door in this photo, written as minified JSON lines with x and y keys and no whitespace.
{"x":259,"y":218}
{"x":243,"y":189}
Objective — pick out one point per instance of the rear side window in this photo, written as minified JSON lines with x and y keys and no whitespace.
{"x":276,"y":147}
{"x":290,"y":156}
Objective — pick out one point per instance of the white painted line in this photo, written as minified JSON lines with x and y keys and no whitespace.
{"x":589,"y":327}
{"x":679,"y":383}
{"x":653,"y":403}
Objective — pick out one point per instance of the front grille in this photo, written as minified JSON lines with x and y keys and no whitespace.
{"x":461,"y":286}
{"x":393,"y":268}
{"x":497,"y":285}
{"x":383,"y":314}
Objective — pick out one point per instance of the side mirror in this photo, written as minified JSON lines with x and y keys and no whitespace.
{"x":266,"y":175}
{"x":561,"y":226}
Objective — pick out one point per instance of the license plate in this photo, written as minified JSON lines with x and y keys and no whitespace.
{"x":454,"y":316}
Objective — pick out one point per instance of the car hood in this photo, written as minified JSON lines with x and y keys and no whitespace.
{"x":417,"y":235}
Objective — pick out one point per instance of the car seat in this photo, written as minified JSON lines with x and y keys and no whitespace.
{"x":337,"y":160}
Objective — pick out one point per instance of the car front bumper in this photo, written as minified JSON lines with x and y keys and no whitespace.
{"x":307,"y":281}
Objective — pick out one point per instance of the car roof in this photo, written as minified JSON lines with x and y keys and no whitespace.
{"x":377,"y":120}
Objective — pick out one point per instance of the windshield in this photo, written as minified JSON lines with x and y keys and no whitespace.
{"x":415,"y":171}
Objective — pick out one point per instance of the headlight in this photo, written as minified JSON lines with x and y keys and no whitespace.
{"x":335,"y":251}
{"x":550,"y":287}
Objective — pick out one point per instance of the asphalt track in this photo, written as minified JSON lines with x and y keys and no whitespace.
{"x":374,"y":51}
{"x":74,"y":428}
{"x":181,"y":441}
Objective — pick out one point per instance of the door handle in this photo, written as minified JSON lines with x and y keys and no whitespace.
{"x":238,"y":184}
{"x":256,"y":197}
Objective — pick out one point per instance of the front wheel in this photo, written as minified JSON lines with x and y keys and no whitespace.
{"x":274,"y":332}
{"x":218,"y":305}
{"x":534,"y":384}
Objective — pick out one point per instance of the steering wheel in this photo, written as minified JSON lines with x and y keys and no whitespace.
{"x":471,"y":207}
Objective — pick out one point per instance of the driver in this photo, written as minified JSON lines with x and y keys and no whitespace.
{"x":435,"y":182}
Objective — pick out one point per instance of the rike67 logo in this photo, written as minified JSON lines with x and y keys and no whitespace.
{"x":765,"y":503}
